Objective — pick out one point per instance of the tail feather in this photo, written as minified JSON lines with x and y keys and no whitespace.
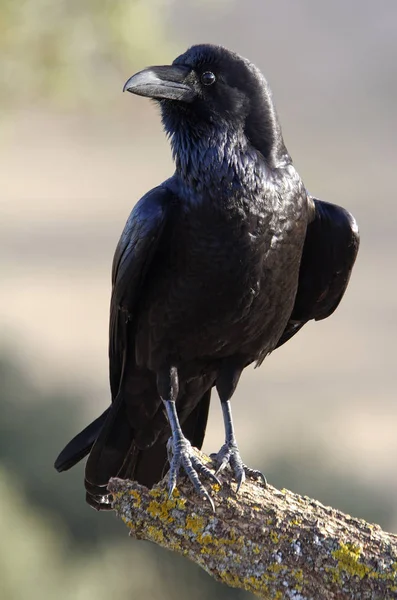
{"x":115,"y":453}
{"x":111,"y":446}
{"x":80,"y":445}
{"x":109,"y":441}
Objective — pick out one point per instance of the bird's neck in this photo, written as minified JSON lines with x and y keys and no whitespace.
{"x":217,"y":160}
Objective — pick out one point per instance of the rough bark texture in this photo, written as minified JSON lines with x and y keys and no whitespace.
{"x":273,"y":543}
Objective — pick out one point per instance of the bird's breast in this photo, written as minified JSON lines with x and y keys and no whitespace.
{"x":228,"y":275}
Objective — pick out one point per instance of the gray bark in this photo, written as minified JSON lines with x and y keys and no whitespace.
{"x":273,"y":543}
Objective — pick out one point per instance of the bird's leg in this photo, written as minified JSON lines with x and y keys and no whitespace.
{"x":226,"y":383}
{"x":180,"y":452}
{"x":230,"y":454}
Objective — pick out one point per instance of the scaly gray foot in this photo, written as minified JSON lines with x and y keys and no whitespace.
{"x":180,"y":454}
{"x":230,"y":454}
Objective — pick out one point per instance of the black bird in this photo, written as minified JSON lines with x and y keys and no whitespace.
{"x":216,"y":267}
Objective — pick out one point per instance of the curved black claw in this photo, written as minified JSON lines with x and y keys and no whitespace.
{"x":180,"y":454}
{"x":230,"y":454}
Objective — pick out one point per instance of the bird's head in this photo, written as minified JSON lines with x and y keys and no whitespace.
{"x":209,"y":87}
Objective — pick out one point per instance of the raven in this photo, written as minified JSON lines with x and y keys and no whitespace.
{"x":216,"y":267}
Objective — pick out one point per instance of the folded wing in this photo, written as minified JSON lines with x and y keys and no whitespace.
{"x":109,"y":437}
{"x":132,"y":259}
{"x":329,"y":253}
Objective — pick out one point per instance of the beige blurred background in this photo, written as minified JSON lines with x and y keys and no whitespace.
{"x":76,"y":154}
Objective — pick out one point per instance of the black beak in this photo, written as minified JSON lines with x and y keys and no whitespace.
{"x":162,"y":82}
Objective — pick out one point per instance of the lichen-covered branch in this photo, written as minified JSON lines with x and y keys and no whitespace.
{"x":273,"y":543}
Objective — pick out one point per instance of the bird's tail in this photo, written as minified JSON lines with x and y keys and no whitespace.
{"x":115,"y":453}
{"x":109,"y":440}
{"x":81,"y":444}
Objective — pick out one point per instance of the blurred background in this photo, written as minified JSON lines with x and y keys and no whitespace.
{"x":319,"y":417}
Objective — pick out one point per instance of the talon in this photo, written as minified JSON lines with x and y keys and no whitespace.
{"x":171,"y":486}
{"x":181,"y":454}
{"x":223,"y":458}
{"x":215,"y":479}
{"x":210,"y":500}
{"x":230,"y":454}
{"x":204,"y":470}
{"x":255,"y":474}
{"x":222,"y":466}
{"x":240,"y":481}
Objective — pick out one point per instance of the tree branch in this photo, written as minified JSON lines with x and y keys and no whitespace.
{"x":273,"y":543}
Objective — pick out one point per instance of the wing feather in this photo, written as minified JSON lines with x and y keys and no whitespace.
{"x":131,"y":262}
{"x":329,"y":253}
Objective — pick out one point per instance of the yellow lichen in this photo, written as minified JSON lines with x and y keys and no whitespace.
{"x":251,"y":584}
{"x":135,"y":494}
{"x":230,"y":579}
{"x":195,"y":523}
{"x":275,"y":568}
{"x":347,"y":557}
{"x":298,"y":574}
{"x":334,"y":574}
{"x":159,"y":510}
{"x":267,"y":578}
{"x":156,"y":493}
{"x":155,"y":534}
{"x":232,"y":541}
{"x":274,"y":537}
{"x":205,"y":539}
{"x":162,"y":504}
{"x":213,"y":550}
{"x":127,"y":521}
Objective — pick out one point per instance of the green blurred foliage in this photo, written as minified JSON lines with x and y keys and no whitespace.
{"x":33,"y":429}
{"x":73,"y":53}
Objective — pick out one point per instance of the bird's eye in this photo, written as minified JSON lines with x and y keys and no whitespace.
{"x":208,"y":78}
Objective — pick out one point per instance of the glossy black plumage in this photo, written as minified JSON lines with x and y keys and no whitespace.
{"x":216,"y":267}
